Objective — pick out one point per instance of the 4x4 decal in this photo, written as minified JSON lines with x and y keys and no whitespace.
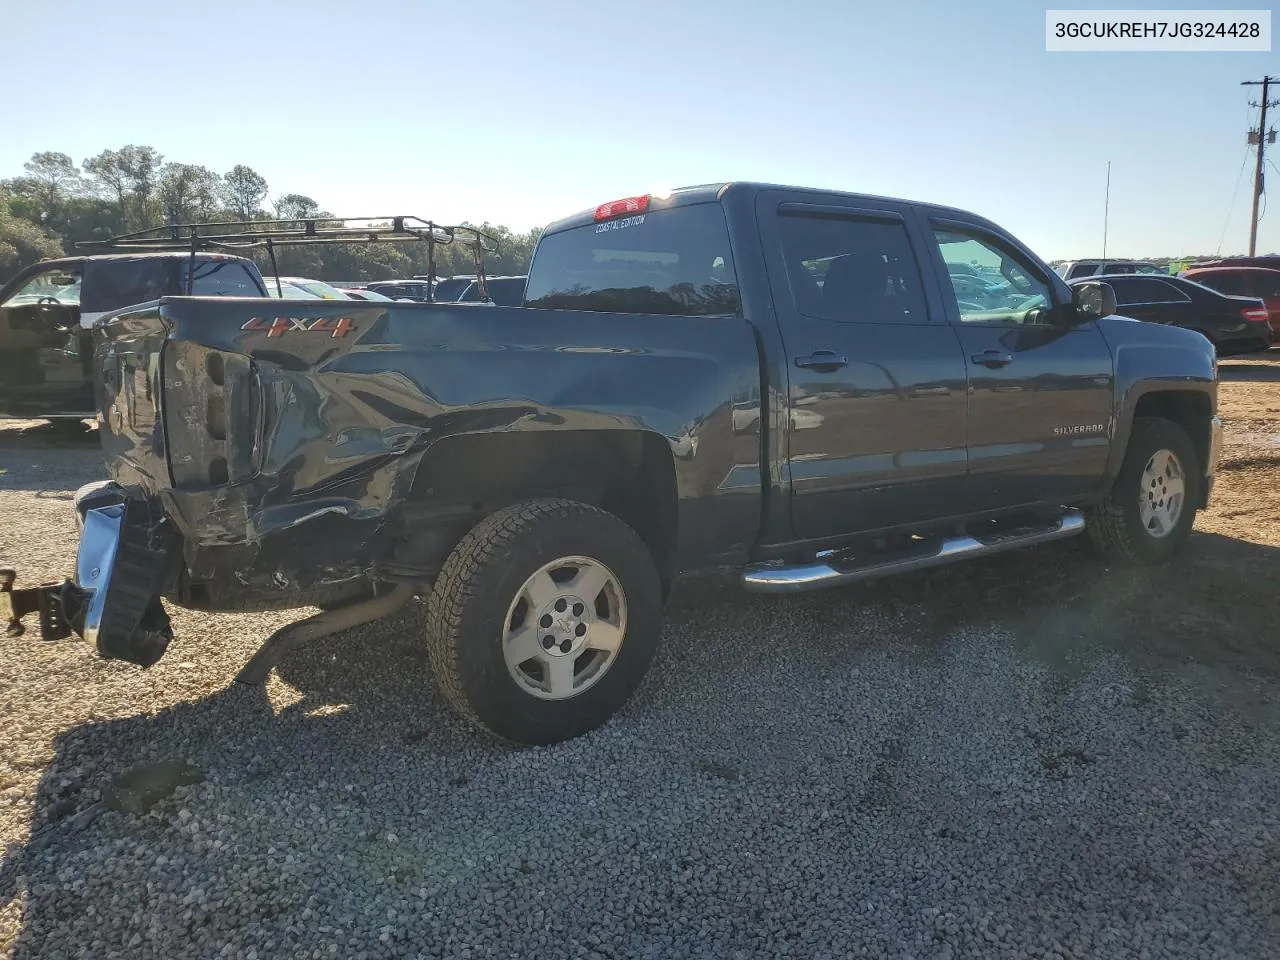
{"x":279,"y":326}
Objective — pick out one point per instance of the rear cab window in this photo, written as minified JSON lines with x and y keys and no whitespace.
{"x":111,"y":284}
{"x":220,"y":278}
{"x":673,"y":261}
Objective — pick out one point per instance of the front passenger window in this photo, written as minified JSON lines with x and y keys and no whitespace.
{"x":989,"y":285}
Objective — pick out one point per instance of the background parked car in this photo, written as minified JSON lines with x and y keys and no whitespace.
{"x":504,"y":291}
{"x":1074,"y":269}
{"x":364,"y":294}
{"x":301,"y":288}
{"x":1234,"y":325}
{"x":1260,"y":282}
{"x":451,"y":288}
{"x":48,"y":310}
{"x":402,"y":289}
{"x":1271,"y":261}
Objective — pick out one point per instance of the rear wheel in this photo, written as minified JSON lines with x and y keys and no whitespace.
{"x":1148,"y":514}
{"x":544,"y":620}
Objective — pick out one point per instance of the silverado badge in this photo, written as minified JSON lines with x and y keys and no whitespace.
{"x":1078,"y":429}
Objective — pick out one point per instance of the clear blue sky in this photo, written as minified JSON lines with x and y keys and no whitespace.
{"x":521,"y":112}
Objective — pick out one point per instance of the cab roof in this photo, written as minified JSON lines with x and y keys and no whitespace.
{"x":708,"y":192}
{"x":136,"y":255}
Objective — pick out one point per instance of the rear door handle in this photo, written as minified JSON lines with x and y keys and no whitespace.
{"x":992,"y":358}
{"x":824,"y":361}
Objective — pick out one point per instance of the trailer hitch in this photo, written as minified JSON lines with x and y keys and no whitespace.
{"x":60,"y":607}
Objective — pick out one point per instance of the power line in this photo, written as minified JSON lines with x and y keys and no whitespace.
{"x":1106,"y":211}
{"x":1232,"y":205}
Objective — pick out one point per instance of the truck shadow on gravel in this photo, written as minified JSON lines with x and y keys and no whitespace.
{"x":1216,"y":604}
{"x":37,"y":455}
{"x":32,"y":434}
{"x":359,"y":722}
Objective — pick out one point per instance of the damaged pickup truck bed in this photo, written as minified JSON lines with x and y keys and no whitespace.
{"x":813,"y":387}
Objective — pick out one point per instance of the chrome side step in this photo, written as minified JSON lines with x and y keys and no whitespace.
{"x":829,"y":571}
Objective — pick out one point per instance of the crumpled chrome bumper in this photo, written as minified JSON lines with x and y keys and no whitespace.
{"x":114,"y":599}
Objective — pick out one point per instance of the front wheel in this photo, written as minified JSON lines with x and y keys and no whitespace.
{"x":1147,"y":516}
{"x":544,"y":620}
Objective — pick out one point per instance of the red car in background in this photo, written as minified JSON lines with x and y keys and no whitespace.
{"x":1260,"y":282}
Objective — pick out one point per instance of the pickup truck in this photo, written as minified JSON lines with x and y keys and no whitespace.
{"x":48,"y":310}
{"x":781,"y":381}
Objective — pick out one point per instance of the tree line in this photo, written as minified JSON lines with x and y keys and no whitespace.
{"x":56,"y":203}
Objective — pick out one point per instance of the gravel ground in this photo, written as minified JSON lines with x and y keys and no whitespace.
{"x":1031,"y":756}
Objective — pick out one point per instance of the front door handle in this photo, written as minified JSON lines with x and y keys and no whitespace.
{"x":992,"y":358}
{"x":824,"y":361}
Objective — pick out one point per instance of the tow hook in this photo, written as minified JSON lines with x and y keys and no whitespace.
{"x":60,"y":607}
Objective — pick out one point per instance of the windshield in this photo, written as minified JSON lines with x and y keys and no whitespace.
{"x":675,"y":261}
{"x":503,"y":291}
{"x":367,"y":295}
{"x":320,"y":289}
{"x":295,"y":288}
{"x":61,"y":285}
{"x":287,"y":290}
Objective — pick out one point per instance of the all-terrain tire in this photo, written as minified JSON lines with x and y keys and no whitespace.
{"x":1115,"y":525}
{"x":471,"y":602}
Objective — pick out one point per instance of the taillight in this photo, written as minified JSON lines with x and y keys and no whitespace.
{"x":1255,"y":314}
{"x":212,"y":412}
{"x":622,"y":208}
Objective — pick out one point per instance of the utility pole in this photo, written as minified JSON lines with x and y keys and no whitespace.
{"x":1262,"y":141}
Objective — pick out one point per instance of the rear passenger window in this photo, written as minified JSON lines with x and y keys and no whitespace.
{"x":1232,"y":284}
{"x":221,"y":278}
{"x":1133,"y":290}
{"x":852,"y":270}
{"x":1082,"y":270}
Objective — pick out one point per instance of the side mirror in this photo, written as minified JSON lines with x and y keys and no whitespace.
{"x":1093,"y":300}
